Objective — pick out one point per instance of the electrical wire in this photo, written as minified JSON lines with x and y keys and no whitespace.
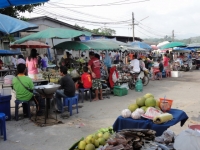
{"x":95,"y":5}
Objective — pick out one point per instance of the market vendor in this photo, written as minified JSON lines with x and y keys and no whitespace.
{"x":68,"y":62}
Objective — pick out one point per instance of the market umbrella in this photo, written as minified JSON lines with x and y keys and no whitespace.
{"x":173,"y":44}
{"x":129,"y":48}
{"x":8,"y":3}
{"x":30,"y":44}
{"x":154,"y":47}
{"x":183,"y":49}
{"x":194,"y":45}
{"x":10,"y":25}
{"x":87,"y":45}
{"x":119,"y":43}
{"x":9,"y":52}
{"x":51,"y":33}
{"x":162,"y":44}
{"x":138,"y":44}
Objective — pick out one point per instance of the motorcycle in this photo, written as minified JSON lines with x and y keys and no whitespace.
{"x":143,"y":75}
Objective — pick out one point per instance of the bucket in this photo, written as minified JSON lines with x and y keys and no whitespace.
{"x":165,"y":106}
{"x":8,"y":79}
{"x":193,"y":127}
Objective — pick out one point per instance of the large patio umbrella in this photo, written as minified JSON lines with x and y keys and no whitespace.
{"x":95,"y":45}
{"x":10,"y":25}
{"x":8,"y":3}
{"x":173,"y":44}
{"x":30,"y":44}
{"x":135,"y":49}
{"x":194,"y":45}
{"x":162,"y":44}
{"x":51,"y":33}
{"x":138,"y":44}
{"x":183,"y":49}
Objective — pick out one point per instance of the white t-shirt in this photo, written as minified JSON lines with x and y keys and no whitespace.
{"x":14,"y":61}
{"x":135,"y":63}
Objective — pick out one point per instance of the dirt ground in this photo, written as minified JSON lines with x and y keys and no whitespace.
{"x":25,"y":135}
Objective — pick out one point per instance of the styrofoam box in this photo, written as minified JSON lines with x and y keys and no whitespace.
{"x":6,"y":91}
{"x":176,"y":74}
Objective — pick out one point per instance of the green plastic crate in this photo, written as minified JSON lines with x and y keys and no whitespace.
{"x":120,"y":91}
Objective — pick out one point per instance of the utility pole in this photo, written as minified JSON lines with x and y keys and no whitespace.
{"x":133,"y":24}
{"x":172,"y":35}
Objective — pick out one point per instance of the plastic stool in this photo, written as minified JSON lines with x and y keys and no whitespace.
{"x":69,"y":101}
{"x":82,"y":90}
{"x":17,"y":102}
{"x":3,"y":125}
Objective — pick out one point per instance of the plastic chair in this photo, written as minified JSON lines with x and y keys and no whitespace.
{"x":69,"y":101}
{"x":3,"y":125}
{"x":82,"y":90}
{"x":17,"y":102}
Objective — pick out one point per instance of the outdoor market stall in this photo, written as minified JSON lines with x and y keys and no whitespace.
{"x":143,"y":123}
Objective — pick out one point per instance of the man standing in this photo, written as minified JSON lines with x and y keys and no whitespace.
{"x":94,"y":66}
{"x":67,"y":88}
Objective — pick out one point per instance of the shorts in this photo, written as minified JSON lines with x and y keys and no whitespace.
{"x":96,"y":84}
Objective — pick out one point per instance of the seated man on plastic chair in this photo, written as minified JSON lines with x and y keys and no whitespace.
{"x":23,"y":86}
{"x":86,"y":81}
{"x":67,"y":88}
{"x":135,"y":64}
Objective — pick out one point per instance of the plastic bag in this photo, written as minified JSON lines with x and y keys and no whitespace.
{"x":114,"y":77}
{"x":74,"y":73}
{"x":187,"y":140}
{"x":124,"y":85}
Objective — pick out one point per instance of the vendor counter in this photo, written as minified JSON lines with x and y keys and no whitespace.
{"x":129,"y":123}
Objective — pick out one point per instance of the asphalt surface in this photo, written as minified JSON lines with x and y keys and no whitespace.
{"x":25,"y":135}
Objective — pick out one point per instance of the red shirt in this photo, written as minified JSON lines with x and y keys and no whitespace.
{"x":86,"y":80}
{"x":95,"y":66}
{"x":165,"y":61}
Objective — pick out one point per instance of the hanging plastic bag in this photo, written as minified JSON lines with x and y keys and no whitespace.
{"x":124,"y":85}
{"x":114,"y":77}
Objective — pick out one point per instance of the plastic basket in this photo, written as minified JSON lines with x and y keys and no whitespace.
{"x":120,"y":91}
{"x":168,"y":101}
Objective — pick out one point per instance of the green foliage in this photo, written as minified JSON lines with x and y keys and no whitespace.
{"x":16,"y":10}
{"x":99,"y":31}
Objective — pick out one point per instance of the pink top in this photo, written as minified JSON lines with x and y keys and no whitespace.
{"x":32,"y":66}
{"x":165,"y":61}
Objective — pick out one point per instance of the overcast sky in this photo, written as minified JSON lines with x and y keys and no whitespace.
{"x":159,"y":17}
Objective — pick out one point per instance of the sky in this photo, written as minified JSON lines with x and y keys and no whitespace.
{"x":154,"y":18}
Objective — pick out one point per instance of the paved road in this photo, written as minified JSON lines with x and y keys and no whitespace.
{"x":24,"y":135}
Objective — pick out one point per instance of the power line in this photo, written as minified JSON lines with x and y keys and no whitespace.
{"x":149,"y":31}
{"x":97,"y":5}
{"x":76,"y":19}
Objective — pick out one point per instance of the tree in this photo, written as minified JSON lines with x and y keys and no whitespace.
{"x":99,"y":31}
{"x":16,"y":10}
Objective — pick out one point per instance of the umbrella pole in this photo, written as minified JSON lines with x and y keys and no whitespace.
{"x":54,"y":52}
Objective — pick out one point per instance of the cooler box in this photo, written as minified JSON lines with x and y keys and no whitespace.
{"x":176,"y":74}
{"x":5,"y":106}
{"x":120,"y":91}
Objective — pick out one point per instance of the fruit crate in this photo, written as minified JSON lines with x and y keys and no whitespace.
{"x":120,"y":91}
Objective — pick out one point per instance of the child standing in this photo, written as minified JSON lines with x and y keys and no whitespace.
{"x":161,"y":67}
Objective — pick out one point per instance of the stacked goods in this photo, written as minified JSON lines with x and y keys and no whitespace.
{"x":93,"y":141}
{"x":52,"y":74}
{"x":131,"y":139}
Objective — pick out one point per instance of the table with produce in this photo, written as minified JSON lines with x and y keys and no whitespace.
{"x":149,"y":113}
{"x":143,"y":126}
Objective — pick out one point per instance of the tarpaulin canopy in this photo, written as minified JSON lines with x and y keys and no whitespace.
{"x":95,"y":45}
{"x":51,"y":33}
{"x":194,"y":45}
{"x":8,"y":3}
{"x":9,"y":52}
{"x":138,"y":44}
{"x":10,"y":25}
{"x":173,"y":44}
{"x":129,"y":48}
{"x":30,"y":44}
